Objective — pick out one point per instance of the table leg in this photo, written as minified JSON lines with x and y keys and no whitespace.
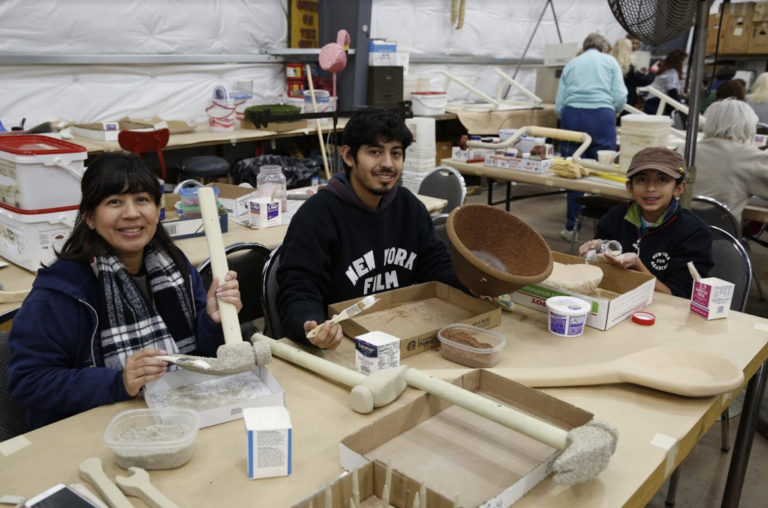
{"x":490,"y":191}
{"x":509,"y":194}
{"x":744,"y":438}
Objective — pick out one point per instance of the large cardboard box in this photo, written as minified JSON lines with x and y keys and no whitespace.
{"x":738,"y":31}
{"x":739,"y":9}
{"x":234,"y":199}
{"x":444,"y":150}
{"x":635,"y":288}
{"x":758,"y":40}
{"x":415,"y":314}
{"x":712,"y":32}
{"x":461,"y":452}
{"x":226,"y":412}
{"x":179,"y":229}
{"x":557,"y":55}
{"x":761,"y":12}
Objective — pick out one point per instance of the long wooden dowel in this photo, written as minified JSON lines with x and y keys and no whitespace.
{"x":219,"y":267}
{"x":317,"y":123}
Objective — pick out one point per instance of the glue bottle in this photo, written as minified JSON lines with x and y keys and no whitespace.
{"x":611,"y":247}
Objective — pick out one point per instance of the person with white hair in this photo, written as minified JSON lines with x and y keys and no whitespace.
{"x":729,"y":168}
{"x":758,"y":99}
{"x":590,"y":95}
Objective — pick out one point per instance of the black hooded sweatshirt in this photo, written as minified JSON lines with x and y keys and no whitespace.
{"x":337,"y":249}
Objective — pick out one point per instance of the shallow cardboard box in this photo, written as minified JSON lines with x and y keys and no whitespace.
{"x":234,"y":199}
{"x":635,"y":288}
{"x":485,"y":314}
{"x":455,"y":451}
{"x":223,"y":414}
{"x":156,"y":123}
{"x":276,"y":126}
{"x":518,"y":164}
{"x":189,"y":228}
{"x":371,"y":484}
{"x":758,"y":40}
{"x":444,"y":150}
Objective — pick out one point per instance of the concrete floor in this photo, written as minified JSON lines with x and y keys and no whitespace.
{"x":705,"y":469}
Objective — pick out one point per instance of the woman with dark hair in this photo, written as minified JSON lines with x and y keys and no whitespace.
{"x":119,"y":294}
{"x":668,"y":81}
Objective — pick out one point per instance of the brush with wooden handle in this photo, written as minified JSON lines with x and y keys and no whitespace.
{"x":351,"y":311}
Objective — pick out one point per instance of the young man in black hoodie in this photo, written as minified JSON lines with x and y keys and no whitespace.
{"x":361,"y":234}
{"x":657,"y":235}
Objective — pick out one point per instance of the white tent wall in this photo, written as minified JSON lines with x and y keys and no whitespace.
{"x":136,"y":28}
{"x":492,"y":29}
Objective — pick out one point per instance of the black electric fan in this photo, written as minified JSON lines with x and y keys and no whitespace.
{"x":655,"y":21}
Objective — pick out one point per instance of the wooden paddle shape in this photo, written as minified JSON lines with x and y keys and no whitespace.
{"x":688,"y":372}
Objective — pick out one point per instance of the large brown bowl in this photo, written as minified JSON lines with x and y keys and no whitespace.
{"x":517,"y":245}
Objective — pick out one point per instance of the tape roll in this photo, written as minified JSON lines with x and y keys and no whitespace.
{"x":643,"y":318}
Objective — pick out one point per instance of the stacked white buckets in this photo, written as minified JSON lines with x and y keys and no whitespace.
{"x":420,"y":156}
{"x":641,"y":131}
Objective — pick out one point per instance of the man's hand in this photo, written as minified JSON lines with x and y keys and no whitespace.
{"x":588,"y":246}
{"x":329,"y":336}
{"x":626,"y":260}
{"x":142,"y":368}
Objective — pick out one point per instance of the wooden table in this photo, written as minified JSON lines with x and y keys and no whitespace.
{"x":751,"y":212}
{"x":15,"y":278}
{"x":202,"y":136}
{"x":321,"y":417}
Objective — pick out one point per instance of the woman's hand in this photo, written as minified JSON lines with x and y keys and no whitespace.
{"x":228,"y":292}
{"x":329,"y":336}
{"x":588,"y":246}
{"x":141,"y":368}
{"x":626,"y":260}
{"x":655,"y":67}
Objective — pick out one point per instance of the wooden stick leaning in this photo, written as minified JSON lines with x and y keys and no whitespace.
{"x":317,"y":123}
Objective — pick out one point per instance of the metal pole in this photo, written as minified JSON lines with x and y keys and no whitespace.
{"x":534,"y":33}
{"x":696,"y":72}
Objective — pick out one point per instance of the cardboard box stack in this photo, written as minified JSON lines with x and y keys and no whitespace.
{"x":420,"y":156}
{"x":735,"y":28}
{"x":758,"y":39}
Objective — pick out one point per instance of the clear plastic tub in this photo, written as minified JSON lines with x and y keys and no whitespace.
{"x":452,"y":347}
{"x":153,"y":438}
{"x":189,"y":196}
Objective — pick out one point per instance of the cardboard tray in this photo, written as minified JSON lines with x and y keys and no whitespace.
{"x":414,"y":338}
{"x":371,"y":484}
{"x":215,"y":416}
{"x":234,"y":198}
{"x":456,"y":451}
{"x":636,"y":290}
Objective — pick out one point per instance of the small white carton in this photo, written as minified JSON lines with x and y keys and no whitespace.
{"x":270,"y":441}
{"x":711,"y":298}
{"x":376,"y":351}
{"x":519,"y":164}
{"x":265,"y":213}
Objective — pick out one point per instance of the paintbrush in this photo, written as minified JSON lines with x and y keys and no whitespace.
{"x":352,"y":311}
{"x":694,"y":272}
{"x":186,"y":361}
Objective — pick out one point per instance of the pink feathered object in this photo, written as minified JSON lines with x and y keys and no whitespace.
{"x":333,"y":57}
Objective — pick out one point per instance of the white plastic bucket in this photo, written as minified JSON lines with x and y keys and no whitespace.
{"x":32,"y":237}
{"x":325,"y":104}
{"x":641,"y":131}
{"x":429,"y":103}
{"x":567,"y":315}
{"x":221,"y":111}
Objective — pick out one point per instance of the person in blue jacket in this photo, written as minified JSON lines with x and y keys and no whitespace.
{"x":657,"y":235}
{"x":119,"y":294}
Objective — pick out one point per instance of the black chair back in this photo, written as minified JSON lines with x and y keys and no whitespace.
{"x":12,"y":416}
{"x":732,"y":264}
{"x":715,"y":213}
{"x":440,"y":232}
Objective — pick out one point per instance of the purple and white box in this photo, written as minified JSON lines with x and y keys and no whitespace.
{"x":711,"y":298}
{"x":265,"y":213}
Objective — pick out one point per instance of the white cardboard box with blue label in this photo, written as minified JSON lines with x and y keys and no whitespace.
{"x":270,"y":441}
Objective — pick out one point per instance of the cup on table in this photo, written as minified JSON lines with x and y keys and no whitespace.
{"x":606,"y":157}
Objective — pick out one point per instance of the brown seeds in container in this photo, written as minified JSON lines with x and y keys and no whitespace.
{"x":461,"y":337}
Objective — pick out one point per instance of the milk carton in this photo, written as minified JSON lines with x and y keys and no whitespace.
{"x":375,"y":351}
{"x":265,"y":213}
{"x":269,"y":437}
{"x":711,"y":298}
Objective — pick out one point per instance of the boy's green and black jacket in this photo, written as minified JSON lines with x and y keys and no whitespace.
{"x":664,"y":247}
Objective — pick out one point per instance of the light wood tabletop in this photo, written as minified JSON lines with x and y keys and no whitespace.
{"x":321,"y":418}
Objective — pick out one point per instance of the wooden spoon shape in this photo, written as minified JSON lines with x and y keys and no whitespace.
{"x":687,"y":372}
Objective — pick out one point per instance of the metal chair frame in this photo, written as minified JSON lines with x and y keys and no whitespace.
{"x":456,"y":174}
{"x":272,"y":326}
{"x":10,"y":427}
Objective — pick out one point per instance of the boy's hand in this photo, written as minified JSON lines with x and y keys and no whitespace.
{"x":626,"y":260}
{"x":588,"y":246}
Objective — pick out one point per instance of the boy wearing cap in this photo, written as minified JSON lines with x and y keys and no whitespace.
{"x":657,"y":235}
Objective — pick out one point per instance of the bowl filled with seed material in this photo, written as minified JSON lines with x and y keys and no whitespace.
{"x":153,"y":438}
{"x":470,"y":345}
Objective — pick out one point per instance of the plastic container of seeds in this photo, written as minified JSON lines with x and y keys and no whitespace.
{"x":189,"y":196}
{"x":153,"y":438}
{"x":470,"y":345}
